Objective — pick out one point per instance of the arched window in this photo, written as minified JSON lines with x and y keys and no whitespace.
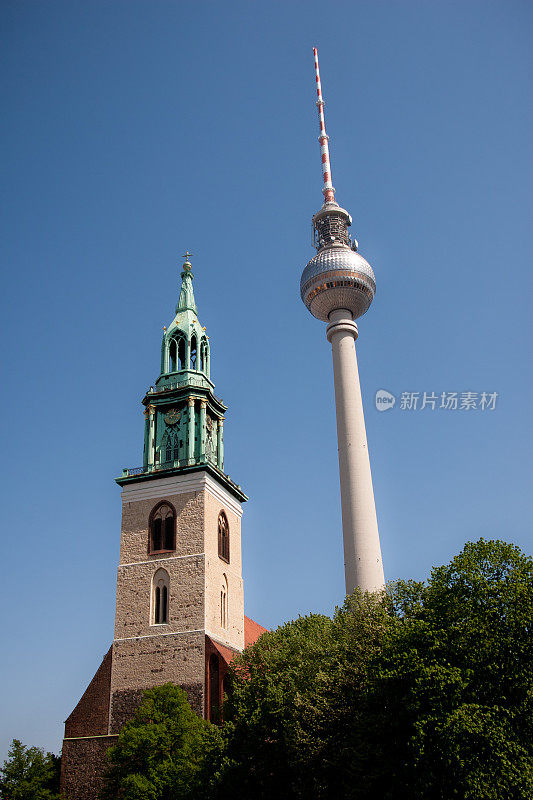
{"x":172,"y":356}
{"x":203,"y":355}
{"x":181,"y":354}
{"x":224,"y":603}
{"x":193,"y":352}
{"x":214,"y":688}
{"x":223,"y":537}
{"x":168,"y":448}
{"x":160,"y":597}
{"x":162,"y":528}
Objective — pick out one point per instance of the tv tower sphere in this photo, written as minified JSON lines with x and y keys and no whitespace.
{"x":338,"y":286}
{"x":337,"y":277}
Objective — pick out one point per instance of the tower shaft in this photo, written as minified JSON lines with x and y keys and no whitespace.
{"x":362,"y":551}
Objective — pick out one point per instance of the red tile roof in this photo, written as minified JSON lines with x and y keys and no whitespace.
{"x":252,"y":631}
{"x":227,"y":653}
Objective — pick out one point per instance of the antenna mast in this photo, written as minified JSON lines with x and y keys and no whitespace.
{"x":328,"y":190}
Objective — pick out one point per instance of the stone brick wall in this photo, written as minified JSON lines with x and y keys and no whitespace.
{"x":91,"y":715}
{"x":186,"y":597}
{"x":145,"y":655}
{"x":189,"y":539}
{"x":83,"y":765}
{"x":217,"y":571}
{"x":143,"y":663}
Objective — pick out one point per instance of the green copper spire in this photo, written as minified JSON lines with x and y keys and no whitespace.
{"x":185,"y":345}
{"x":186,"y":298}
{"x":184,"y":420}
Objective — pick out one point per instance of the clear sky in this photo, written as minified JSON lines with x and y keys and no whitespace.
{"x":135,"y":130}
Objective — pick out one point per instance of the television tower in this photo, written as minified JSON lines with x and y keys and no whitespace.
{"x":338,"y":286}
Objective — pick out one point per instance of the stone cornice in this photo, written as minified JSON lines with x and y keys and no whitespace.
{"x":152,"y":486}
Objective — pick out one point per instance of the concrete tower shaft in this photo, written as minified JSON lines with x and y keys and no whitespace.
{"x":363,"y":566}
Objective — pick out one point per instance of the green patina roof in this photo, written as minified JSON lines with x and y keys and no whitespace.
{"x":186,"y":319}
{"x":180,"y":435}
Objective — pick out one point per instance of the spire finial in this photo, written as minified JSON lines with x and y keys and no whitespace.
{"x":187,"y":266}
{"x":186,"y":298}
{"x":328,"y":190}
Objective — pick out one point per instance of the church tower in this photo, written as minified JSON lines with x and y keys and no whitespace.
{"x":179,"y":606}
{"x":179,"y":575}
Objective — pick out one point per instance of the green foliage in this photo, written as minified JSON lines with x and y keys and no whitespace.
{"x":29,"y":774}
{"x":424,"y":692}
{"x":162,"y":753}
{"x":458,"y":677}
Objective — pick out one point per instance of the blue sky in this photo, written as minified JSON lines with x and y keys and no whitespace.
{"x":134,"y":130}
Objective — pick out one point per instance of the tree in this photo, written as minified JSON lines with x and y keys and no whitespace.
{"x":456,"y":677}
{"x":29,"y":774}
{"x":293,"y":695}
{"x":424,"y":691}
{"x":161,"y":753}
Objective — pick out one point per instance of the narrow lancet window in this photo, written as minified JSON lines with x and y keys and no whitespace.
{"x":193,"y":352}
{"x":214,"y":689}
{"x":156,"y":534}
{"x":203,"y":355}
{"x":224,"y":604}
{"x":162,"y":526}
{"x":181,"y":354}
{"x":160,"y":597}
{"x":223,"y":536}
{"x":164,"y":605}
{"x":169,"y":533}
{"x":172,"y":356}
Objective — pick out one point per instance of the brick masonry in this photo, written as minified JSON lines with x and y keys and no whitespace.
{"x":143,"y":654}
{"x":91,"y":715}
{"x":83,"y":765}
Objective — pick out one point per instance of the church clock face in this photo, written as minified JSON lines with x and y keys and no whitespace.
{"x":172,"y":417}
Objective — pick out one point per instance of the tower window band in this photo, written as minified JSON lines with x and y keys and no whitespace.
{"x":223,"y":537}
{"x":162,"y":529}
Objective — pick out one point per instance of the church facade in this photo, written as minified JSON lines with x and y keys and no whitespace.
{"x":180,"y":604}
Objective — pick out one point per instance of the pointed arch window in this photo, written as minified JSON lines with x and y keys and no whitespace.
{"x":193,"y":352}
{"x":168,"y":448}
{"x":223,"y":537}
{"x":181,"y":353}
{"x":224,"y":604}
{"x":203,"y":355}
{"x":160,"y":597}
{"x":172,"y":356}
{"x":214,"y":688}
{"x":162,"y":529}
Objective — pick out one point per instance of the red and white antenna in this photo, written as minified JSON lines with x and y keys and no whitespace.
{"x":328,"y":190}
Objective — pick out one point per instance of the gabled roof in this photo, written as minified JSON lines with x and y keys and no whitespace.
{"x":252,"y":631}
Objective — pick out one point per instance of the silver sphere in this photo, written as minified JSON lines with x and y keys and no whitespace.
{"x":337,"y":277}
